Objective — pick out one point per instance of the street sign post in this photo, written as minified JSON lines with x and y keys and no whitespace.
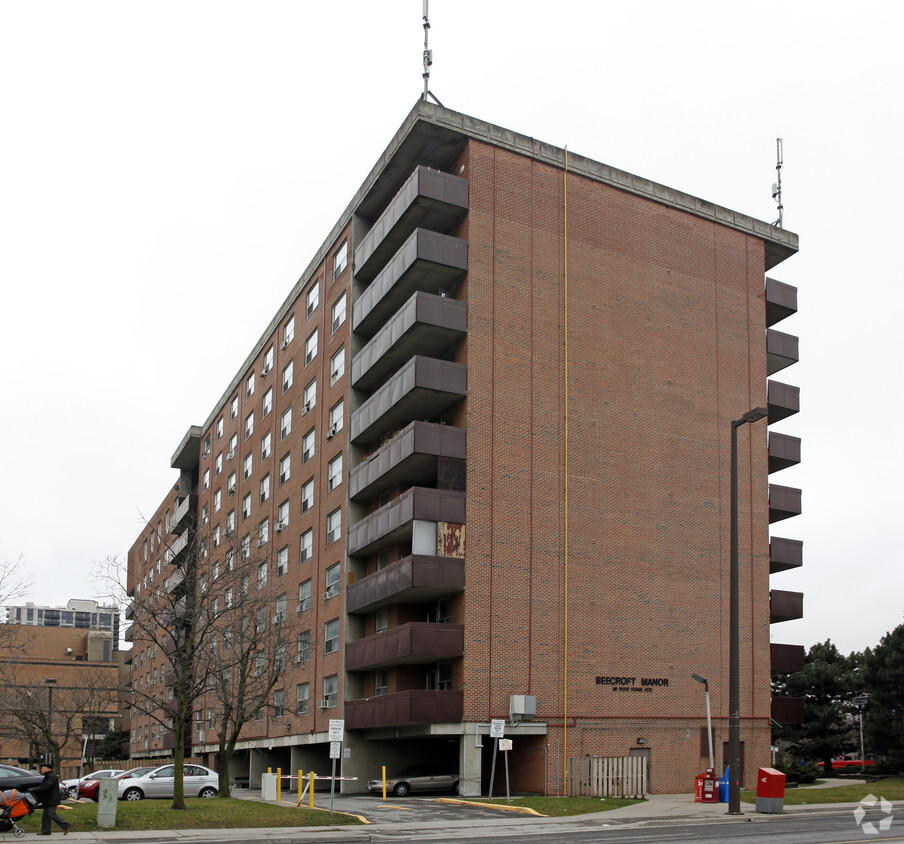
{"x":337,"y":733}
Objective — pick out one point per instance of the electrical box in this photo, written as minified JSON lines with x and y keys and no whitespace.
{"x":522,"y":707}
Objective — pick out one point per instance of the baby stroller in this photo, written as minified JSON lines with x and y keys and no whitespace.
{"x":13,"y":806}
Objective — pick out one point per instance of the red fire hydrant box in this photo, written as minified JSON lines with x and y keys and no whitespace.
{"x":770,"y":791}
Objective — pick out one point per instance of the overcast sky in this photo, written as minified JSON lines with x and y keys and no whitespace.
{"x":170,"y":168}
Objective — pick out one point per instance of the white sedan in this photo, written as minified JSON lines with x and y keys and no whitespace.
{"x":197,"y":780}
{"x":71,"y":786}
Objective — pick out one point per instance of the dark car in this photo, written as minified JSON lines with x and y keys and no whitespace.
{"x":22,"y":780}
{"x":431,"y":776}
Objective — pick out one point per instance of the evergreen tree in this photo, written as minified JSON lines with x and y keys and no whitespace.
{"x":883,"y":722}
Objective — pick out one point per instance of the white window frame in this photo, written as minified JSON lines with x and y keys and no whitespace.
{"x":307,"y":545}
{"x":310,"y":347}
{"x":288,"y":376}
{"x":307,"y":495}
{"x":285,"y":423}
{"x":334,"y":526}
{"x":337,"y":365}
{"x":340,"y":259}
{"x":313,"y":298}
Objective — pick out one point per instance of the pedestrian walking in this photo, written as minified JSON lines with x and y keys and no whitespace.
{"x":48,"y":792}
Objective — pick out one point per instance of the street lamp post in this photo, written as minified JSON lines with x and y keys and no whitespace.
{"x":49,"y":682}
{"x":709,"y":720}
{"x":734,"y":663}
{"x":861,"y":701}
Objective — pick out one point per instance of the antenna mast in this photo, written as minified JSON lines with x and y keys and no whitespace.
{"x":428,"y":59}
{"x":777,"y":186}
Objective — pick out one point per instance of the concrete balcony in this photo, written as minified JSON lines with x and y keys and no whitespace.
{"x":415,"y":706}
{"x":784,"y":451}
{"x":409,"y":459}
{"x":429,"y":199}
{"x":784,"y":502}
{"x":425,"y":325}
{"x":427,"y":261}
{"x":411,"y":518}
{"x":188,"y":454}
{"x":787,"y":658}
{"x":174,"y":581}
{"x":785,"y":554}
{"x":129,"y":635}
{"x":788,"y":710}
{"x":178,"y":550}
{"x":781,"y":350}
{"x":785,"y":606}
{"x":783,"y":400}
{"x":130,"y":611}
{"x":416,"y":579}
{"x":424,"y":388}
{"x":781,"y":301}
{"x":414,"y":643}
{"x":183,"y":515}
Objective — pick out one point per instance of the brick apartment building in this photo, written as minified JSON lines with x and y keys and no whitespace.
{"x":485,"y":445}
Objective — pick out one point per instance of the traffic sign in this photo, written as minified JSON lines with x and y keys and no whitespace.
{"x":497,"y":728}
{"x":337,"y":728}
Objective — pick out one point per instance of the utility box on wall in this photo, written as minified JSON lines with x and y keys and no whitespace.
{"x":522,"y":708}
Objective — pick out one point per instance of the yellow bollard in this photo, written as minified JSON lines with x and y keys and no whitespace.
{"x":384,"y":783}
{"x":279,"y":785}
{"x":300,"y":784}
{"x":312,"y":789}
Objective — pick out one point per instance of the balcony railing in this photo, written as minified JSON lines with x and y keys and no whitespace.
{"x":412,"y":580}
{"x":182,"y":515}
{"x":785,"y":554}
{"x":425,"y":325}
{"x":414,"y":643}
{"x":395,"y":522}
{"x":784,"y":502}
{"x":787,"y":658}
{"x":427,"y":261}
{"x":784,"y":451}
{"x":429,"y":199}
{"x":781,"y":301}
{"x":781,"y":350}
{"x":785,"y":606}
{"x":409,"y":459}
{"x":788,"y":710}
{"x":422,"y":388}
{"x":415,"y":706}
{"x":783,"y":400}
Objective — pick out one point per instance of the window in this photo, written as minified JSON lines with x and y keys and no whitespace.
{"x":215,"y":570}
{"x":339,"y":312}
{"x":207,"y":444}
{"x":287,"y":374}
{"x":310,"y":397}
{"x":307,"y":496}
{"x":265,"y":488}
{"x":333,"y":526}
{"x":260,"y":661}
{"x":331,"y":691}
{"x":282,"y":561}
{"x":282,"y":515}
{"x":381,"y":682}
{"x":230,"y":484}
{"x":216,"y":537}
{"x":302,"y":697}
{"x":248,"y":465}
{"x":313,"y":297}
{"x":334,"y":473}
{"x":249,"y":424}
{"x":246,"y":588}
{"x":303,"y":654}
{"x":331,"y":636}
{"x":280,"y":614}
{"x":217,"y":500}
{"x":337,"y":412}
{"x":307,"y":445}
{"x":262,"y":576}
{"x":263,"y":532}
{"x":332,"y":581}
{"x":266,"y":440}
{"x":440,"y":678}
{"x":218,"y":464}
{"x":337,"y":366}
{"x":246,"y":505}
{"x":440,"y":613}
{"x":267,"y":405}
{"x":205,"y":515}
{"x":288,"y":331}
{"x":230,"y":521}
{"x":285,"y":468}
{"x":233,"y":446}
{"x":219,"y":427}
{"x":234,"y":407}
{"x":279,"y":655}
{"x":206,"y":482}
{"x":203,"y":547}
{"x":340,"y":259}
{"x":229,"y":598}
{"x":279,"y":703}
{"x":304,"y":596}
{"x":285,"y":423}
{"x":249,"y":386}
{"x":310,"y":348}
{"x":268,"y":360}
{"x":307,"y":545}
{"x":381,"y":620}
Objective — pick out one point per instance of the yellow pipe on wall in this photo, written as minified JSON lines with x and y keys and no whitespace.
{"x":565,"y":644}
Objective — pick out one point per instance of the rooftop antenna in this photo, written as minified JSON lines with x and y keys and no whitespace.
{"x":777,"y":186}
{"x":428,"y":59}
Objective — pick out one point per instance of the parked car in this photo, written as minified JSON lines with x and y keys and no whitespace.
{"x":198,"y":781}
{"x":22,"y":780}
{"x":91,"y":788}
{"x":431,"y":776}
{"x":72,"y":786}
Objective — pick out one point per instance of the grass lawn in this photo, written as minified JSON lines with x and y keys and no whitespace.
{"x":558,"y":807}
{"x":228,"y":813}
{"x":891,"y":788}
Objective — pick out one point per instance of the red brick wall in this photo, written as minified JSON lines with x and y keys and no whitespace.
{"x":665,"y":346}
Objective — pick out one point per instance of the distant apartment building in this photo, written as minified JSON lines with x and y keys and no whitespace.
{"x":484,"y":447}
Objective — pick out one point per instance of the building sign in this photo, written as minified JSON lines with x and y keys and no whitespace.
{"x":633,"y":684}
